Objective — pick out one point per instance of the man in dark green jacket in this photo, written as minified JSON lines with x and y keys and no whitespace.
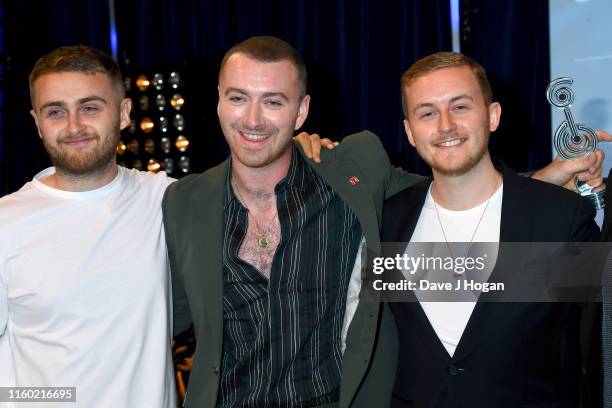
{"x":264,"y":251}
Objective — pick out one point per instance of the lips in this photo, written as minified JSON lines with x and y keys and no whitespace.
{"x":254,"y":137}
{"x":451,"y":142}
{"x":81,"y":141}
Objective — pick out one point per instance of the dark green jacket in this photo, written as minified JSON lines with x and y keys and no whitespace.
{"x":193,"y":222}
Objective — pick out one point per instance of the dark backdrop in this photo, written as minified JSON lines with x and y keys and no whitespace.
{"x":356,"y":50}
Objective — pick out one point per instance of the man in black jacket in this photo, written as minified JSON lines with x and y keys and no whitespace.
{"x":474,"y":353}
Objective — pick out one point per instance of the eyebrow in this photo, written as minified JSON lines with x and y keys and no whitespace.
{"x":453,"y":99}
{"x":62,"y":104}
{"x":264,"y":95}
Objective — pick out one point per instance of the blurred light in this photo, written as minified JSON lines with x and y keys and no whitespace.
{"x":149,"y":146}
{"x":144,"y":102}
{"x":160,"y":101}
{"x":169,"y":165}
{"x":174,"y":80}
{"x":179,"y":122}
{"x":177,"y":101}
{"x":163,"y":124}
{"x":142,"y":83}
{"x":153,"y":166}
{"x":184,"y":164}
{"x":146,"y":125}
{"x":133,"y":146}
{"x":158,"y":81}
{"x":165,"y":144}
{"x":181,"y":143}
{"x":121,"y":148}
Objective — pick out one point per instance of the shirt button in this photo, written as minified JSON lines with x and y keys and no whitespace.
{"x":453,"y":370}
{"x":215,"y":370}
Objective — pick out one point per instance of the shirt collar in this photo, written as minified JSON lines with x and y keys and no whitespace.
{"x":295,"y":178}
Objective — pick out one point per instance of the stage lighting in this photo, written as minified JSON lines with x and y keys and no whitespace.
{"x":163,"y":124}
{"x":165,"y":144}
{"x":177,"y":101}
{"x":179,"y":122}
{"x":158,"y":136}
{"x":146,"y":125}
{"x":149,"y":146}
{"x":160,"y":102}
{"x":153,"y":166}
{"x":174,"y":80}
{"x":158,"y":81}
{"x":184,"y":164}
{"x":142,"y":83}
{"x":144,"y":103}
{"x":181,"y":143}
{"x":121,"y":148}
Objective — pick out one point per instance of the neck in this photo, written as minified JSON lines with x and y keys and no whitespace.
{"x":65,"y":181}
{"x":467,"y":190}
{"x":261,"y":180}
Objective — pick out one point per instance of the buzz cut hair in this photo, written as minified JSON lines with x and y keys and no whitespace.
{"x":270,"y":49}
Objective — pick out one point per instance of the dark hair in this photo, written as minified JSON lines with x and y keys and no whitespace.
{"x":77,"y":58}
{"x":269,"y":49}
{"x":442,"y":60}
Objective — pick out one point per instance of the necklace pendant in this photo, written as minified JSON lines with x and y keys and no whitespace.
{"x":264,"y":241}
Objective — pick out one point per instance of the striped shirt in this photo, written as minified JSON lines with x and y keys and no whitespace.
{"x":282,"y":336}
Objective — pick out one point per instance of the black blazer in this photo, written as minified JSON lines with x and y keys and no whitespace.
{"x":510,"y":354}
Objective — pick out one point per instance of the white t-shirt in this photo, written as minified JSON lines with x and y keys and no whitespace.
{"x":85,"y":292}
{"x":449,"y":319}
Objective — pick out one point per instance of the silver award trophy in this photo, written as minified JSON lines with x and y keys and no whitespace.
{"x":573,"y":140}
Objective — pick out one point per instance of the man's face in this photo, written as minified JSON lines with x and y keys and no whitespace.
{"x":79,"y":118}
{"x":260,"y":106}
{"x":448,"y":121}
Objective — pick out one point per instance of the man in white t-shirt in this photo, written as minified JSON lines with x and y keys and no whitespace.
{"x":84,"y":282}
{"x":469,"y":352}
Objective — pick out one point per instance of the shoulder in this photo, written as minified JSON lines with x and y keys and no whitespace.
{"x":197,"y":182}
{"x":364,"y":142}
{"x":543,"y":194}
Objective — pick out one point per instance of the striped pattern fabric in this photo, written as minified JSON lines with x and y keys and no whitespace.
{"x":282,"y":337}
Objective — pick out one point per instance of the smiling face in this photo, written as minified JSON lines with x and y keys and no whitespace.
{"x":260,"y":106}
{"x":79,"y":118}
{"x":448,"y":121}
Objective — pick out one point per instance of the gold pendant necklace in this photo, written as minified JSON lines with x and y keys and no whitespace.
{"x":264,"y":240}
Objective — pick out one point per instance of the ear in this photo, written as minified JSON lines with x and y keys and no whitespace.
{"x":408,"y":132}
{"x":302,"y":112}
{"x":494,"y":116}
{"x":33,"y":113}
{"x":124,"y":113}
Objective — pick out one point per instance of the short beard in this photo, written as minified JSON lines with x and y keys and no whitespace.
{"x":85,"y":164}
{"x":465,"y":167}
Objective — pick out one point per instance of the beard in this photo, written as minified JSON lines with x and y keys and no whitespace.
{"x":83,"y":162}
{"x":457,"y":168}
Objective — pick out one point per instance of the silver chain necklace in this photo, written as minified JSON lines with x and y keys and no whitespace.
{"x":475,"y":229}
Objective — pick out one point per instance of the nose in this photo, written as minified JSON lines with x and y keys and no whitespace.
{"x":254,"y":118}
{"x":75,"y":125}
{"x":447,"y":124}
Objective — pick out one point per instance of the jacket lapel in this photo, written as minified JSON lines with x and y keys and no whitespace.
{"x":208,"y":232}
{"x":515,"y":227}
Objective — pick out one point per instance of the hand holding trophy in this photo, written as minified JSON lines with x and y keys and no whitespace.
{"x":573,"y":140}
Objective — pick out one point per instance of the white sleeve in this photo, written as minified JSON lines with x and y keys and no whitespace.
{"x":352,"y":295}
{"x":3,"y":301}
